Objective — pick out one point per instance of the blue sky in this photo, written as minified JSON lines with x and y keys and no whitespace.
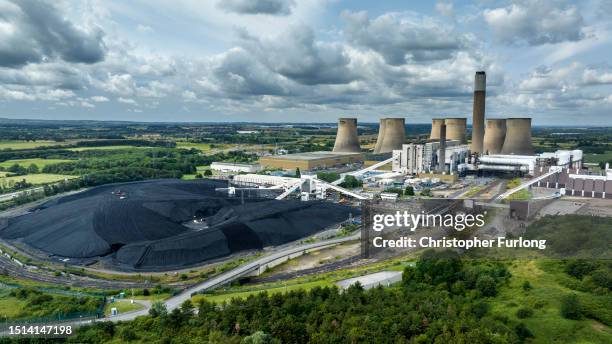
{"x":305,"y":61}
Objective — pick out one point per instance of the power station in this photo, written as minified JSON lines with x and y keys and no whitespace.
{"x":495,"y":133}
{"x":391,"y":135}
{"x":518,"y":137}
{"x":478,"y":114}
{"x":347,"y":140}
{"x":456,"y":129}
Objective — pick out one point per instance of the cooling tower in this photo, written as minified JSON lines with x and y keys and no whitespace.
{"x":393,"y":136}
{"x":346,"y":138}
{"x":518,"y":137}
{"x":456,"y":129}
{"x":435,"y":128}
{"x":495,"y":133}
{"x":381,"y":134}
{"x":442,"y":154}
{"x":480,"y":82}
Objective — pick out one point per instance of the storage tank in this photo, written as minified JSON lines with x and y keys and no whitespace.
{"x":347,"y":139}
{"x":478,"y":114}
{"x":495,"y":133}
{"x":518,"y":137}
{"x":393,"y":136}
{"x":381,"y":134}
{"x":435,"y":128}
{"x":456,"y":129}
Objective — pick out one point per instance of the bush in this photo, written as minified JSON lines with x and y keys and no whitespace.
{"x":603,"y":278}
{"x":524,"y":312}
{"x":570,"y":307}
{"x":523,"y":332}
{"x":527,"y":286}
{"x":579,"y":268}
{"x":486,"y":285}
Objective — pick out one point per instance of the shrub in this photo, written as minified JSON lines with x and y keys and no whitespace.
{"x":527,"y":286}
{"x":523,"y":332}
{"x":486,"y":285}
{"x":570,"y":307}
{"x":524,"y":312}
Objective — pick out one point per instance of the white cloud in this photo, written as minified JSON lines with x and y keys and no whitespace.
{"x":536,"y":22}
{"x":99,"y":99}
{"x":126,"y":101}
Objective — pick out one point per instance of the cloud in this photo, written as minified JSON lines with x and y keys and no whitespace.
{"x":297,"y":55}
{"x":99,"y":99}
{"x":270,"y":7}
{"x":445,"y":8}
{"x":536,"y":22}
{"x":144,"y":28}
{"x":402,"y":37}
{"x":35,"y":31}
{"x":127,"y":101}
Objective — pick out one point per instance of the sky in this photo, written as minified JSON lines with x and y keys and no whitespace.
{"x":305,"y":60}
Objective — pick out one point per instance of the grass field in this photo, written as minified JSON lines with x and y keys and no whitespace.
{"x":544,"y":298}
{"x":10,"y":306}
{"x":122,"y":307}
{"x":41,"y":163}
{"x":36,"y":179}
{"x":28,"y":144}
{"x":220,"y":297}
{"x":596,"y":158}
{"x":121,"y":147}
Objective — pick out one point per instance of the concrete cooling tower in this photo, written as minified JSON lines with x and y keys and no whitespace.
{"x":393,"y":136}
{"x":480,"y":82}
{"x":381,"y":134}
{"x":495,"y":133}
{"x":436,"y":123}
{"x":347,"y":139}
{"x":518,"y":137}
{"x":456,"y":129}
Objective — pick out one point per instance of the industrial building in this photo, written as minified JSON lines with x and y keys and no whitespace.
{"x":391,"y":135}
{"x":416,"y":158}
{"x":310,"y":160}
{"x":518,"y":137}
{"x":456,"y":129}
{"x":347,"y":140}
{"x":234,"y":167}
{"x":478,"y":114}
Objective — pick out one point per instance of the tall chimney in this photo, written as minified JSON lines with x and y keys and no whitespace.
{"x":442,"y":154}
{"x":347,"y":139}
{"x":478,"y":114}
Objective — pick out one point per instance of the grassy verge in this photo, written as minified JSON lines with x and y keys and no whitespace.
{"x":122,"y":307}
{"x":37,"y":179}
{"x":41,"y":163}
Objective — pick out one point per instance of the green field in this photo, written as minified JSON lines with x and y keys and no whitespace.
{"x":41,"y":163}
{"x":220,"y":296}
{"x":122,"y":307}
{"x":544,"y":298}
{"x":597,"y":158}
{"x":188,"y":145}
{"x":10,"y":307}
{"x":28,"y":144}
{"x":120,"y":147}
{"x":36,"y":179}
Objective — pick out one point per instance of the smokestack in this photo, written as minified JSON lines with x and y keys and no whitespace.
{"x":442,"y":154}
{"x":518,"y":137}
{"x":435,"y":128}
{"x":495,"y":134}
{"x":480,"y":82}
{"x":381,"y":134}
{"x":456,"y":129}
{"x":393,"y":136}
{"x":347,"y":139}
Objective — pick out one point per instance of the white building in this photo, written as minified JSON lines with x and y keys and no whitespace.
{"x":233,"y":167}
{"x":416,"y":158}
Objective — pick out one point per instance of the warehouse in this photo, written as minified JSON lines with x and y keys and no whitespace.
{"x":234,"y":167}
{"x":310,"y":160}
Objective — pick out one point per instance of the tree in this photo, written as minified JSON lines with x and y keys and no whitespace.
{"x":351,"y":182}
{"x":426,"y":192}
{"x":486,"y":285}
{"x":158,"y":308}
{"x":207,"y":173}
{"x":298,"y":174}
{"x":409,"y":191}
{"x":258,"y":337}
{"x":32,"y":169}
{"x":187,"y":308}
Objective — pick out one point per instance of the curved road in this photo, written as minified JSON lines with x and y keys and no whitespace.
{"x":226,"y":277}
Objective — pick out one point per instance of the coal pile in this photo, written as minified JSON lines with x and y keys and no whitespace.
{"x":147,"y":225}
